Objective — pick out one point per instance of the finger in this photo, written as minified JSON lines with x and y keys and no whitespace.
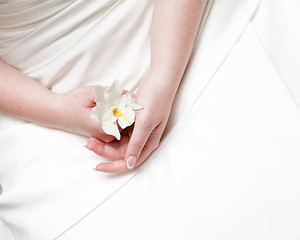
{"x":152,"y":143}
{"x":112,"y":167}
{"x":136,"y":143}
{"x":133,"y":95}
{"x":114,"y":150}
{"x":125,"y":91}
{"x":121,"y":165}
{"x":100,"y":134}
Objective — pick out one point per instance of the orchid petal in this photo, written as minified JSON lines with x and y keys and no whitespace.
{"x":100,"y":112}
{"x":112,"y":94}
{"x":129,"y":120}
{"x":99,"y":94}
{"x":113,"y":118}
{"x":111,"y":128}
{"x":113,"y":108}
{"x":130,"y":102}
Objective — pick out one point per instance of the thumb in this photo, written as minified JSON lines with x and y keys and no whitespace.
{"x":136,"y":144}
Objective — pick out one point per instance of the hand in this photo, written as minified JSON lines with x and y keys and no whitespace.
{"x":142,"y":138}
{"x":35,"y":103}
{"x":75,"y":114}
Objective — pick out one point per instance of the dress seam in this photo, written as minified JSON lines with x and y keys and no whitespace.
{"x":274,"y":65}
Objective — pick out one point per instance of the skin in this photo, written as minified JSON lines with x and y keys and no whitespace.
{"x":69,"y":111}
{"x":173,"y":32}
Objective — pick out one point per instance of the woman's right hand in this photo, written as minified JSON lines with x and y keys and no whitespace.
{"x":28,"y":99}
{"x":74,"y":113}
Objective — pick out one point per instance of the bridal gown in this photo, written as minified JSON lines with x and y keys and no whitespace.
{"x":229,"y":162}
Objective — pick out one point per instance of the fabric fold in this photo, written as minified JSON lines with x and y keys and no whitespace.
{"x":225,"y":108}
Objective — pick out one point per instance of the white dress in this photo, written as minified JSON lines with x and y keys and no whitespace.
{"x":229,"y":162}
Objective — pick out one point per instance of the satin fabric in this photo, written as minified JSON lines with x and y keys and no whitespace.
{"x":227,"y":166}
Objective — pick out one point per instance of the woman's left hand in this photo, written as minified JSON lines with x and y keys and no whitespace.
{"x":173,"y":32}
{"x":142,"y":138}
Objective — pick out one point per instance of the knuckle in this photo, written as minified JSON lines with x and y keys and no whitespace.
{"x":145,"y":122}
{"x":137,"y":146}
{"x":107,"y":138}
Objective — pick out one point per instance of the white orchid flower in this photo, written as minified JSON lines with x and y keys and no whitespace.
{"x":113,"y":108}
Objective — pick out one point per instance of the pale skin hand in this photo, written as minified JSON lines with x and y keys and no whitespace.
{"x":76,"y":106}
{"x":147,"y":131}
{"x":29,"y":100}
{"x":174,"y":27}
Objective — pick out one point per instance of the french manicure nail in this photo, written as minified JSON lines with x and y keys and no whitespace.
{"x":131,"y":160}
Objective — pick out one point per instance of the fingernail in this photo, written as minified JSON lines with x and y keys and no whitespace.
{"x":131,"y":160}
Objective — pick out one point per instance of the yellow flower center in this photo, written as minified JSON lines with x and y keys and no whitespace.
{"x":120,"y":114}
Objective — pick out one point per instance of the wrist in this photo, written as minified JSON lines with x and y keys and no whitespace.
{"x":49,"y":110}
{"x":160,"y":82}
{"x":157,"y":89}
